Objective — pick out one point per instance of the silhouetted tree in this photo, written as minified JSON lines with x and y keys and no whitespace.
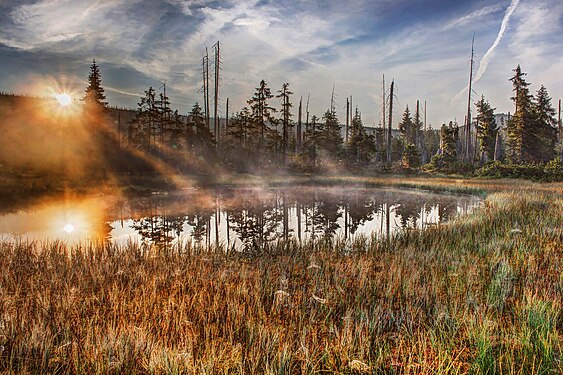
{"x":204,"y":141}
{"x":94,"y":94}
{"x":283,"y":95}
{"x":143,"y":127}
{"x":261,"y":114}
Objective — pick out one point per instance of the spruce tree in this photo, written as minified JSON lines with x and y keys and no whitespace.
{"x":261,"y":112}
{"x":545,"y":127}
{"x":238,"y":125}
{"x":312,"y":140}
{"x":283,"y":95}
{"x":204,"y":139}
{"x":446,"y":157}
{"x":486,"y":128}
{"x":410,"y":156}
{"x":406,"y":127}
{"x":330,"y":138}
{"x":142,"y":129}
{"x":94,"y":94}
{"x":362,"y":145}
{"x":519,"y":130}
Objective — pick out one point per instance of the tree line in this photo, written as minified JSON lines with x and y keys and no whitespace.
{"x":267,"y":133}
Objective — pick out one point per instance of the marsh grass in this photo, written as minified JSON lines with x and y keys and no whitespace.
{"x":470,"y":296}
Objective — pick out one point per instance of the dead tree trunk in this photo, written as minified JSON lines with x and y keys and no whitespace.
{"x":467,"y":154}
{"x":299,"y":130}
{"x":227,"y":119}
{"x":390,"y":123}
{"x":206,"y":82}
{"x":216,"y":95}
{"x":560,"y":130}
{"x":347,"y":118}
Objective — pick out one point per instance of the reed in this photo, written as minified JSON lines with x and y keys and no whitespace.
{"x":481,"y":294}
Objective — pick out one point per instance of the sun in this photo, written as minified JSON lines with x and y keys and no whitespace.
{"x":63,"y":99}
{"x":69,"y":228}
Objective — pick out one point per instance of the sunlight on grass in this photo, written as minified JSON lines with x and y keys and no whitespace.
{"x":467,"y":296}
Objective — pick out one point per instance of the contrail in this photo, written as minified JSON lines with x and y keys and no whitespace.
{"x":489,"y":54}
{"x":503,"y":26}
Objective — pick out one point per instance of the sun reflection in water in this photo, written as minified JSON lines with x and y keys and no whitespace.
{"x":70,"y":219}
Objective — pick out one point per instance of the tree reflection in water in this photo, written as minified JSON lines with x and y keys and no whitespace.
{"x":249,"y":219}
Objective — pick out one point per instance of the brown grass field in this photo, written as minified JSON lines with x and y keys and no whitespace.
{"x":481,"y":294}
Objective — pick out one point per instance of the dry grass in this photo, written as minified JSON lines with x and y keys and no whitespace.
{"x":479,"y":295}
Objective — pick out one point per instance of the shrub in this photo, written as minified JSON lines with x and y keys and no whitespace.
{"x":549,"y":172}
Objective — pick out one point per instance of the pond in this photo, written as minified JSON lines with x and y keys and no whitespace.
{"x":240,"y":218}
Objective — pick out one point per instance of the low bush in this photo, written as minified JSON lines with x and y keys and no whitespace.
{"x":548,"y":172}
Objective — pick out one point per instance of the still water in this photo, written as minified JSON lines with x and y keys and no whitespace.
{"x":241,"y":218}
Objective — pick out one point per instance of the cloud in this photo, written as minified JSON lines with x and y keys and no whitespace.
{"x":473,"y":16}
{"x":309,"y":43}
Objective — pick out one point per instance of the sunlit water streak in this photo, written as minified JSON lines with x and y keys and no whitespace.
{"x":252,"y":217}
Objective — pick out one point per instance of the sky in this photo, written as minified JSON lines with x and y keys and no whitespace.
{"x":315,"y":45}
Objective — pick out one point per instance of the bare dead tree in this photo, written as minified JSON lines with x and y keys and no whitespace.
{"x":206,"y":88}
{"x":217,"y":69}
{"x":383,"y":108}
{"x":467,"y":153}
{"x":560,"y":130}
{"x":347,"y":118}
{"x":307,"y":114}
{"x":390,"y":122}
{"x":227,"y":118}
{"x":299,"y":130}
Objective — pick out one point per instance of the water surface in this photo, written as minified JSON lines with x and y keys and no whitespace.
{"x":241,"y":218}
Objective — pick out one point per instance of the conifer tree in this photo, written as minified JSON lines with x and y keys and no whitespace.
{"x":95,"y":93}
{"x":164,"y":114}
{"x":204,"y":139}
{"x":447,"y":153}
{"x":238,"y":125}
{"x":519,"y":131}
{"x":362,"y":145}
{"x":410,"y":156}
{"x":406,"y":127}
{"x":261,"y":112}
{"x":330,"y":138}
{"x":142,"y":129}
{"x":545,"y":127}
{"x":486,"y":128}
{"x":449,"y":137}
{"x":312,"y":140}
{"x":283,"y":95}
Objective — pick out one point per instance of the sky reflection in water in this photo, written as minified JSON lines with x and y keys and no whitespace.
{"x":247,"y":217}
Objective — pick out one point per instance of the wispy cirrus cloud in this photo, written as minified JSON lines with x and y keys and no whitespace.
{"x":312,"y":44}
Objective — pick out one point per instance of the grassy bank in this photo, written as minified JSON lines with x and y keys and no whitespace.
{"x":481,"y":294}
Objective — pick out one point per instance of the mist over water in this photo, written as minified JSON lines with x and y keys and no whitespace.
{"x":240,"y":218}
